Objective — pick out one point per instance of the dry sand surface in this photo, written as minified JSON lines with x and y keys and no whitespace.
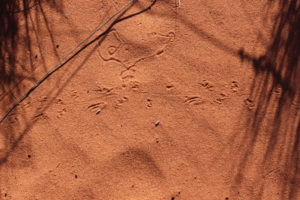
{"x":189,"y":100}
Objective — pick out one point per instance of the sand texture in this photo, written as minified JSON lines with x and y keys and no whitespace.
{"x":189,"y":100}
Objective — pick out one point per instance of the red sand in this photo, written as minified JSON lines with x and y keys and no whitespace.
{"x":186,"y":101}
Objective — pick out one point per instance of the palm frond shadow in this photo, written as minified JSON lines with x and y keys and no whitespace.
{"x":21,"y":55}
{"x":275,"y":119}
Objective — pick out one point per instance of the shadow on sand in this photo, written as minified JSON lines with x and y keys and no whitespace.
{"x":21,"y":56}
{"x":274,"y":116}
{"x":273,"y":122}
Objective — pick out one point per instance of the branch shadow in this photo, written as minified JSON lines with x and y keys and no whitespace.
{"x":274,"y":115}
{"x":274,"y":90}
{"x":274,"y":103}
{"x":12,"y":134}
{"x":21,"y":56}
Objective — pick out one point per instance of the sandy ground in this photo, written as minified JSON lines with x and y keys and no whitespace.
{"x":191,"y":100}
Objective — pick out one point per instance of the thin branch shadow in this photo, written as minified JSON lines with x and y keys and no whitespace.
{"x":275,"y":113}
{"x":19,"y":60}
{"x":12,"y":138}
{"x":274,"y":93}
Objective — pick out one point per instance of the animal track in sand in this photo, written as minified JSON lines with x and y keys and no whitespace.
{"x":121,"y":101}
{"x":221,"y":98}
{"x":206,"y":84}
{"x":110,"y":46}
{"x":149,"y":103}
{"x":129,"y":81}
{"x":234,"y":86}
{"x":103,"y":91}
{"x":193,"y":100}
{"x":97,"y":107}
{"x":61,"y":112}
{"x":249,"y":103}
{"x":127,"y":49}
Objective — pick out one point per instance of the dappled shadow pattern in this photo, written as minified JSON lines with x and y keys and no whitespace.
{"x":10,"y":37}
{"x":21,"y":55}
{"x":13,"y":134}
{"x":16,"y":47}
{"x":274,"y":103}
{"x":270,"y":144}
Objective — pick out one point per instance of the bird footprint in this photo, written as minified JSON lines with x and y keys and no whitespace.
{"x":193,"y":100}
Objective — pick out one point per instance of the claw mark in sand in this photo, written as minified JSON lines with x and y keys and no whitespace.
{"x":97,"y":107}
{"x":193,"y":100}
